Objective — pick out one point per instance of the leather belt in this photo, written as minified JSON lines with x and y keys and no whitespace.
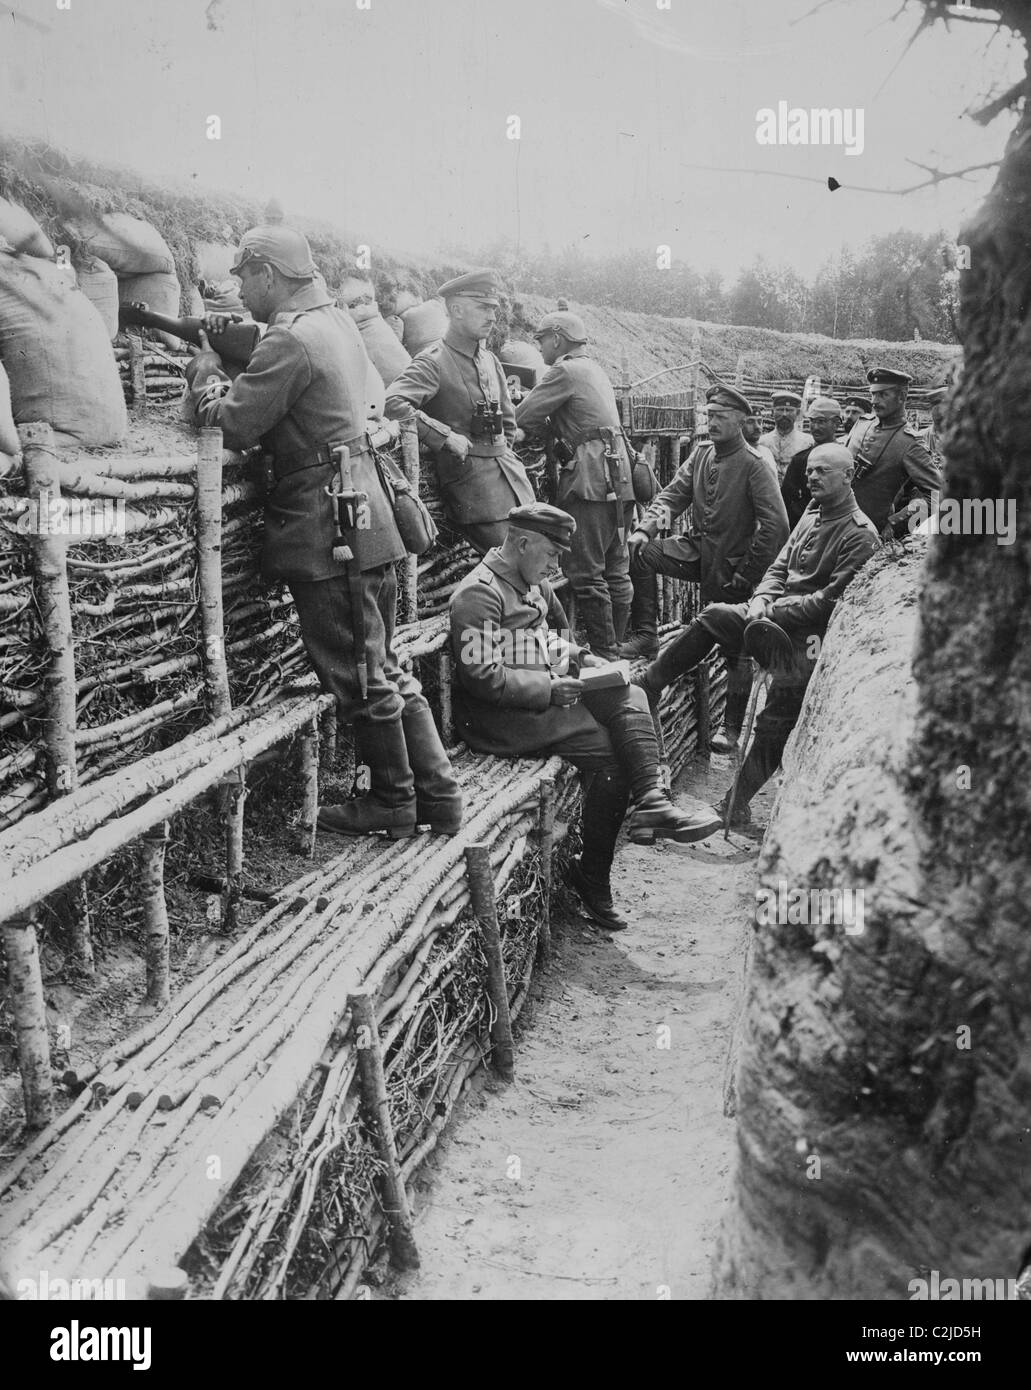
{"x":324,"y":454}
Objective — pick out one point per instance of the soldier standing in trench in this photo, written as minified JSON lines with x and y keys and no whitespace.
{"x":302,"y":397}
{"x":457,"y":393}
{"x":595,"y":486}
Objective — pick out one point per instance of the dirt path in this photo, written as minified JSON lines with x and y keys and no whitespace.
{"x":602,"y":1172}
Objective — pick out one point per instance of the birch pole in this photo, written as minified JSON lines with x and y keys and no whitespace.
{"x":155,"y":912}
{"x":216,"y":672}
{"x":410,"y":466}
{"x":30,"y":1018}
{"x":49,"y":552}
{"x":481,"y":889}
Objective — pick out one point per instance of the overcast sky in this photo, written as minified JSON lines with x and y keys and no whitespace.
{"x":392,"y":121}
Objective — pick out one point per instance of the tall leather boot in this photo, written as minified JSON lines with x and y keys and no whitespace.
{"x":605,"y":797}
{"x":643,"y":633}
{"x":595,"y":613}
{"x":762,"y":762}
{"x":654,"y":816}
{"x":680,"y":656}
{"x":620,"y":618}
{"x":739,"y":686}
{"x":438,"y":800}
{"x":389,"y":803}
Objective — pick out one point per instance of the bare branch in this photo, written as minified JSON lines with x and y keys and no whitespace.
{"x":988,"y":113}
{"x":937,"y":176}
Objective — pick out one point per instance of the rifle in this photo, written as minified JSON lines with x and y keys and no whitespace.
{"x":234,"y":345}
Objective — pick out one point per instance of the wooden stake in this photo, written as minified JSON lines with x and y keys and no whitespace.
{"x":42,"y":472}
{"x":447,"y":718}
{"x":481,"y":889}
{"x":137,"y":370}
{"x":209,"y":569}
{"x":30,"y":1018}
{"x":155,"y":912}
{"x":547,"y":845}
{"x":410,"y":467}
{"x":328,"y":740}
{"x":403,"y":1253}
{"x":234,"y":794}
{"x":308,"y":766}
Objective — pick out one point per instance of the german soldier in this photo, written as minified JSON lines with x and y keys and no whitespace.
{"x":302,"y":397}
{"x":893,"y":466}
{"x":799,"y":592}
{"x":519,"y":693}
{"x":785,"y":440}
{"x":457,"y":392}
{"x":594,"y":483}
{"x":737,"y":525}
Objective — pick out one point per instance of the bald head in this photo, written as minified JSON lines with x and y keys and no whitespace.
{"x":828,"y":473}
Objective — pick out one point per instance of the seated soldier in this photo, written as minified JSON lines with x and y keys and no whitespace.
{"x":519,"y":694}
{"x":830,"y":544}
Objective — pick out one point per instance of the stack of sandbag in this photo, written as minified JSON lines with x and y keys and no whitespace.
{"x":99,"y":284}
{"x":138,"y":255}
{"x":22,"y":232}
{"x":424,"y":323}
{"x":57,"y":354}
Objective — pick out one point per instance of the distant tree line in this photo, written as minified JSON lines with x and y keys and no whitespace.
{"x":895,"y":287}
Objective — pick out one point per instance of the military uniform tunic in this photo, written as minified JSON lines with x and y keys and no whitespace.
{"x":784,"y":447}
{"x":441,"y":388}
{"x":577,"y":396}
{"x":892,"y":466}
{"x":304,"y":387}
{"x":737,"y":521}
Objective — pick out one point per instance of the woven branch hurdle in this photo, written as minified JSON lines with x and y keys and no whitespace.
{"x":184,"y":1062}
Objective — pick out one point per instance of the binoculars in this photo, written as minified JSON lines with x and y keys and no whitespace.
{"x":487,"y":422}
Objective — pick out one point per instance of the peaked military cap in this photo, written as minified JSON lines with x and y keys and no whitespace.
{"x":284,"y":247}
{"x":569,"y":325}
{"x":863,"y":402}
{"x":785,"y":398}
{"x":475,"y":284}
{"x":546,"y":520}
{"x":887,"y":376}
{"x":728,"y":397}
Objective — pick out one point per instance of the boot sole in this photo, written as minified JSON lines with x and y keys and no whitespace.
{"x":392,"y":832}
{"x":690,"y":835}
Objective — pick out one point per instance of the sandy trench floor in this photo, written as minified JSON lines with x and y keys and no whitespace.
{"x":602,"y":1172}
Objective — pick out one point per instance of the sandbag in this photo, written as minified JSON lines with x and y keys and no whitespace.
{"x":128,"y":245}
{"x":354,"y":290}
{"x":195,"y":305}
{"x":9,"y":441}
{"x":21,"y":230}
{"x":99,"y":284}
{"x":388,"y":356}
{"x":424,"y":324}
{"x":214,"y":260}
{"x":57,"y":353}
{"x":404,"y":300}
{"x":225,"y":297}
{"x":396,"y":324}
{"x":161,"y":294}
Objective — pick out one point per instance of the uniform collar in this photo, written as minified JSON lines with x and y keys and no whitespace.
{"x":451,"y":338}
{"x":845,"y":508}
{"x":497,"y":564}
{"x":579,"y":350}
{"x":313,"y":296}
